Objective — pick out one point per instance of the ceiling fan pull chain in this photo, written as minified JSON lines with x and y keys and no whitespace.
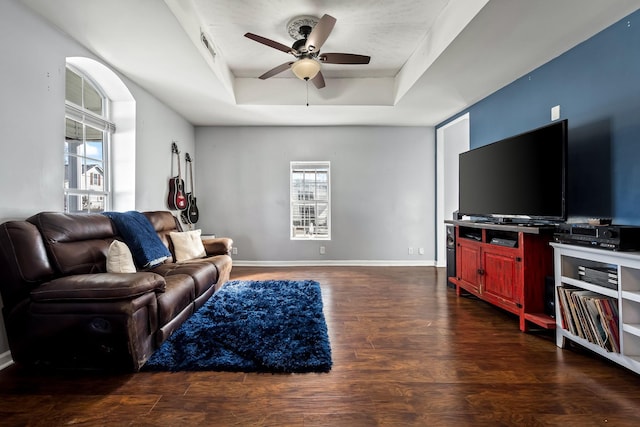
{"x":307,"y":84}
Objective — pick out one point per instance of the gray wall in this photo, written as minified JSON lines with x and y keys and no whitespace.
{"x":382,"y":192}
{"x":32,"y":121}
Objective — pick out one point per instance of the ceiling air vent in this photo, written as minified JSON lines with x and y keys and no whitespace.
{"x":205,"y":41}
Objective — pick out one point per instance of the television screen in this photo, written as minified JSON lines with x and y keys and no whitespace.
{"x":521,"y":176}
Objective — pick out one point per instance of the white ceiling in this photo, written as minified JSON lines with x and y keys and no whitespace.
{"x":429,"y":58}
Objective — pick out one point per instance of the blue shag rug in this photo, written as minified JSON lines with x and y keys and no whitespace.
{"x":272,"y":326}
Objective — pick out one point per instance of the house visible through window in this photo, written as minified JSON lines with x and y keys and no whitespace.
{"x":86,"y":147}
{"x":310,"y":200}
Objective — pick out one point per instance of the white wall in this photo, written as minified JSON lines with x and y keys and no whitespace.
{"x":452,"y":139}
{"x":32,"y":77}
{"x":382,"y":192}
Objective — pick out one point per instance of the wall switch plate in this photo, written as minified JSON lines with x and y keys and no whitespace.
{"x":555,"y":112}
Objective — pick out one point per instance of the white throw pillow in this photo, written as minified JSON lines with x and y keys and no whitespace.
{"x":187,"y":245}
{"x":119,"y":258}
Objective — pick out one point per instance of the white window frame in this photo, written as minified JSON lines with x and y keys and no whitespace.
{"x":316,"y":226}
{"x":101,"y":123}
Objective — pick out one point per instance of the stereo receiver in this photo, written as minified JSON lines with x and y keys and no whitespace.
{"x":613,"y":237}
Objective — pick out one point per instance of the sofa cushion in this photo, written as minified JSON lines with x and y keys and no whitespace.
{"x":76,"y":243}
{"x":187,"y":245}
{"x":103,"y":286}
{"x":203,"y":273}
{"x":119,"y":258}
{"x":178,"y":296}
{"x":218,"y":246}
{"x":24,"y":263}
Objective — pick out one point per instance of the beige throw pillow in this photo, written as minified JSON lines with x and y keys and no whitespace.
{"x":187,"y":245}
{"x":119,"y":258}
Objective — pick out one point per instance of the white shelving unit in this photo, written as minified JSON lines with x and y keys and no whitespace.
{"x":567,"y":258}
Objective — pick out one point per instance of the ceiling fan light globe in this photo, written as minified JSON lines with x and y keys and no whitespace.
{"x":305,"y":68}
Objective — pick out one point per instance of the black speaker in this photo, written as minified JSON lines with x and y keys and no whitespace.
{"x":549,"y":296}
{"x":451,"y":252}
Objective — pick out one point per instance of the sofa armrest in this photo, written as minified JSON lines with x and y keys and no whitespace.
{"x":217,"y":246}
{"x":101,"y":286}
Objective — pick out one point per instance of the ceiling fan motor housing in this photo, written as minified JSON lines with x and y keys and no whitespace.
{"x":299,"y":45}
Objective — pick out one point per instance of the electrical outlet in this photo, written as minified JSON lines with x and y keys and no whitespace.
{"x":234,"y":251}
{"x":410,"y":251}
{"x":322,"y":250}
{"x":421,"y":251}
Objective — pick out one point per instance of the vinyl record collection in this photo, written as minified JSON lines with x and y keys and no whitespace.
{"x":591,"y":316}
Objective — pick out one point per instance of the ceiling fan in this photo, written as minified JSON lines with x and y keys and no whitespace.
{"x":306,"y":49}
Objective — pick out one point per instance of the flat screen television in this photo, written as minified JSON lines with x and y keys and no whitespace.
{"x":522,"y":177}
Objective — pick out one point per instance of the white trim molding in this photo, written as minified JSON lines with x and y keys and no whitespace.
{"x":335,"y":263}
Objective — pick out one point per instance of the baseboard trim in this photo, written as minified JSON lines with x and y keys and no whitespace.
{"x":335,"y":263}
{"x":5,"y":360}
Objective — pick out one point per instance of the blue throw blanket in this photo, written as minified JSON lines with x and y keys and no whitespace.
{"x":141,"y":238}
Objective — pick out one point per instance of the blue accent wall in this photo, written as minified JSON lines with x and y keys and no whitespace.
{"x":597,"y":85}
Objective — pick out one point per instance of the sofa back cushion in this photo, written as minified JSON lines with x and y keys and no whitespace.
{"x":76,"y":243}
{"x":23,"y":261}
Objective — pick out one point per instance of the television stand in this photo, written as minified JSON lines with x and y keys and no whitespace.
{"x":505,"y":265}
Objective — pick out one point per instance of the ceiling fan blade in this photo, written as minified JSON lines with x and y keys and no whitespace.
{"x":318,"y":80}
{"x":269,"y":42}
{"x":277,"y":70}
{"x":320,"y":33}
{"x":344,"y":58}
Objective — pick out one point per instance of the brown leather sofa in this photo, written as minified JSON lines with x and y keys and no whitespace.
{"x":63,"y":310}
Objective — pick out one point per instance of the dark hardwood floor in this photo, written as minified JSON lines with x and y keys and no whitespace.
{"x":406,"y":352}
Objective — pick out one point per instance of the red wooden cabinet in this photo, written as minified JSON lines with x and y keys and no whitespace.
{"x":468,"y":266}
{"x":505,"y":265}
{"x":501,"y":278}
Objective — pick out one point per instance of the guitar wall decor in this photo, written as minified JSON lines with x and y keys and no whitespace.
{"x":191,"y":214}
{"x":176,"y":199}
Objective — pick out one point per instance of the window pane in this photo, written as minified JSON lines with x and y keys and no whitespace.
{"x":92,"y":99}
{"x":84,"y":203}
{"x":73,"y":130}
{"x":95,"y":203}
{"x":73,"y":203}
{"x":73,"y":87}
{"x":72,"y":147}
{"x":94,"y":144}
{"x":94,"y":177}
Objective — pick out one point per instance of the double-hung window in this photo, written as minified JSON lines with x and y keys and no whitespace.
{"x":310,"y":201}
{"x":86,"y":145}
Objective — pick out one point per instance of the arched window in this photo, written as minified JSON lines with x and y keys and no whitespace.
{"x":88,"y":133}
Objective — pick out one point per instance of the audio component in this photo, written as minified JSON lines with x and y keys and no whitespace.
{"x":613,"y":237}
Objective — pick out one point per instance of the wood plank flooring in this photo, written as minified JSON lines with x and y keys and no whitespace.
{"x":406,"y":352}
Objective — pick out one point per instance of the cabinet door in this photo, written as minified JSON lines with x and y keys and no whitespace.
{"x":501,"y":277}
{"x":468,"y":265}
